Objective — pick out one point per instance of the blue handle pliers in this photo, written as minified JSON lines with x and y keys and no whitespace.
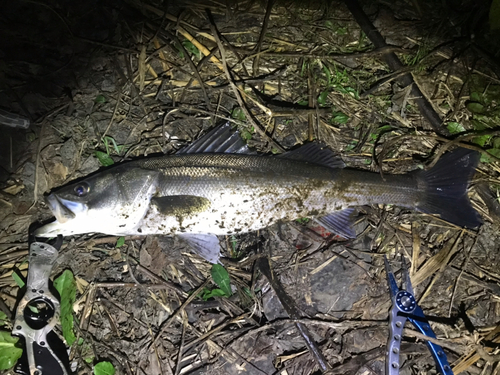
{"x":405,"y":307}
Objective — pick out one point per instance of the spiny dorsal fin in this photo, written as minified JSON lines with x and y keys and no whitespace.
{"x":315,"y":153}
{"x":221,"y":140}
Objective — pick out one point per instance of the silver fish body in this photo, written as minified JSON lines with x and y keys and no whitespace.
{"x":223,"y":193}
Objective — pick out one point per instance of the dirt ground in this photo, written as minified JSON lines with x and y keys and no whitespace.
{"x":123,"y":79}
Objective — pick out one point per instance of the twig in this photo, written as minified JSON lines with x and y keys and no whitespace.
{"x":118,"y":100}
{"x":193,"y":67}
{"x":181,"y":308}
{"x":131,"y":285}
{"x":37,"y":163}
{"x":460,"y":275}
{"x":459,"y":141}
{"x":292,"y":311}
{"x":154,"y":345}
{"x":181,"y":347}
{"x":356,"y":362}
{"x":258,"y":46}
{"x":235,"y":88}
{"x":332,"y":56}
{"x":457,"y":348}
{"x":395,"y":64}
{"x":311,"y":102}
{"x":132,"y":85}
{"x":13,"y":255}
{"x":87,"y":309}
{"x":198,"y":67}
{"x":154,"y":276}
{"x":438,"y":262}
{"x":219,"y":328}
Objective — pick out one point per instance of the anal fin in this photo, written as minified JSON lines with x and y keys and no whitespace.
{"x":205,"y":245}
{"x":339,"y":222}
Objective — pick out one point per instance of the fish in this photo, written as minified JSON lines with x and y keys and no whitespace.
{"x":218,"y":186}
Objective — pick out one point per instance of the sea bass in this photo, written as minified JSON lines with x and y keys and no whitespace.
{"x":216,"y":186}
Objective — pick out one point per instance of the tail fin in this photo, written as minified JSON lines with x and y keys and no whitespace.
{"x":446,"y":188}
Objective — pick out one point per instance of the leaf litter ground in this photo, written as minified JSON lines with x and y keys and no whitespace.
{"x":129,"y":86}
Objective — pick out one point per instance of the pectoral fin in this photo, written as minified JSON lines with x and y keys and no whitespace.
{"x":205,"y":245}
{"x":339,"y":222}
{"x":180,"y":205}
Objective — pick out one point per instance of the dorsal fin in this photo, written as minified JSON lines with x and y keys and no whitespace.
{"x":315,"y":153}
{"x":221,"y":139}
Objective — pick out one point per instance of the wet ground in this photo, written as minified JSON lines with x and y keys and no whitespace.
{"x":123,"y":79}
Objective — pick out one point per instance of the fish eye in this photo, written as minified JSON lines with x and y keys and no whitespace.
{"x":82,"y":189}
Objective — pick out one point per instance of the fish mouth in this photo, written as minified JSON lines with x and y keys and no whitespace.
{"x":59,"y":208}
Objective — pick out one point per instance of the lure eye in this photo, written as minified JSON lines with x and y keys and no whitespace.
{"x":82,"y":189}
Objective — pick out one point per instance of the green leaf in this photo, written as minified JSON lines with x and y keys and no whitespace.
{"x":492,"y":151}
{"x":303,"y":220}
{"x":496,"y":143}
{"x":475,"y":107}
{"x":475,"y":97}
{"x":100,"y":99}
{"x":304,"y":103}
{"x":107,"y":140}
{"x":9,"y":353}
{"x":221,"y":278}
{"x":120,"y":242}
{"x":248,"y":292}
{"x":246,"y":135}
{"x":234,"y":243}
{"x":104,"y":158}
{"x":384,"y":129}
{"x":66,"y":286}
{"x":3,"y":318}
{"x":351,"y":146}
{"x":455,"y":127}
{"x":207,"y":294}
{"x":328,"y":75}
{"x":478,"y":124}
{"x":494,"y":16}
{"x":104,"y":368}
{"x":340,"y":118}
{"x":482,"y":140}
{"x":238,"y":114}
{"x":322,"y":98}
{"x":190,"y":47}
{"x":18,"y":279}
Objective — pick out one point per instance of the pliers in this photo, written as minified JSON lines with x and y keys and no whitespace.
{"x":37,"y":313}
{"x":405,"y":307}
